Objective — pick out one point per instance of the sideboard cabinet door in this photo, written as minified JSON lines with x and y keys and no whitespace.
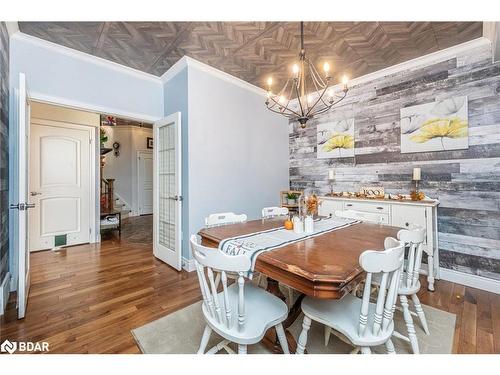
{"x":328,"y":207}
{"x":405,"y":215}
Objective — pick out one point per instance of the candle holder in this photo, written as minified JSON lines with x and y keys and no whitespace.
{"x":330,"y":182}
{"x":416,"y":185}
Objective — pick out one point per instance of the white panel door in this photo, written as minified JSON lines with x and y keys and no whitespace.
{"x":60,"y":183}
{"x":167,"y":199}
{"x":145,"y":184}
{"x":21,"y":240}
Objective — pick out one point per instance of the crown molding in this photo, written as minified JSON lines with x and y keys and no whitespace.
{"x":74,"y":104}
{"x":174,"y":69}
{"x":187,"y":61}
{"x":84,"y":56}
{"x":12,"y":28}
{"x":417,"y":62}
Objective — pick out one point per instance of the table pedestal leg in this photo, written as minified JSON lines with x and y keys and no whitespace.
{"x":270,"y":339}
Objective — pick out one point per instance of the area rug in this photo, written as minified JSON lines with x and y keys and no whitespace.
{"x":181,"y":331}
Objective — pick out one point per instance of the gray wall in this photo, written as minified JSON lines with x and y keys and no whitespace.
{"x":467,"y":182}
{"x":4,"y":150}
{"x":238,"y":150}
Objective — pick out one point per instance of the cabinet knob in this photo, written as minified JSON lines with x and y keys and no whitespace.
{"x":407,"y":224}
{"x":349,"y":205}
{"x":380,"y":208}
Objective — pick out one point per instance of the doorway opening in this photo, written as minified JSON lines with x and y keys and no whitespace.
{"x":90,"y":176}
{"x":126,"y":165}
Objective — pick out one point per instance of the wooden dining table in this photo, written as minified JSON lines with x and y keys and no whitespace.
{"x":323,"y":266}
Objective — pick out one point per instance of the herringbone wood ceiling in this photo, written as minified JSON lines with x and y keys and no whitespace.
{"x":254,"y":50}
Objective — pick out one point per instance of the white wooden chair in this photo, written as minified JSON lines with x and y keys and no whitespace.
{"x":374,"y":325}
{"x":362,"y":216}
{"x":270,"y":212}
{"x":224,"y":218}
{"x":242,"y":312}
{"x":410,"y":284}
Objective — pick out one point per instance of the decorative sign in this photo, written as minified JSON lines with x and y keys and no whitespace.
{"x":377,"y":191}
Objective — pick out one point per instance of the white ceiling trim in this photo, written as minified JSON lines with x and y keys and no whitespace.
{"x":84,"y":56}
{"x":89,"y":107}
{"x":431,"y":58}
{"x":12,"y":28}
{"x":186,"y":61}
{"x":428,"y":59}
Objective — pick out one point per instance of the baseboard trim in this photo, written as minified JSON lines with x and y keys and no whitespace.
{"x":473,"y":281}
{"x":4,"y":293}
{"x":188,"y":265}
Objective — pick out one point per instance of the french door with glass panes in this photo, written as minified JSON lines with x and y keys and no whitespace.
{"x":167,"y":199}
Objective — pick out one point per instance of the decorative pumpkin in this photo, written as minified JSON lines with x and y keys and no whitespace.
{"x":288,"y":224}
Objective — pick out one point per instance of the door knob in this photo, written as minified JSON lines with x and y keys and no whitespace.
{"x":34,"y":193}
{"x":176,"y":198}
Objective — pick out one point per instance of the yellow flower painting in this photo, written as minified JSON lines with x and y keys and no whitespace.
{"x":336,"y":139}
{"x":339,"y":141}
{"x":437,"y":126}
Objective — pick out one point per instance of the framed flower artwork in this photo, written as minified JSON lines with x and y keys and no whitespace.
{"x":438,"y":126}
{"x":335,"y":139}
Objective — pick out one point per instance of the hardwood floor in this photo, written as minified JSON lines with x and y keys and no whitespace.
{"x":86,"y":299}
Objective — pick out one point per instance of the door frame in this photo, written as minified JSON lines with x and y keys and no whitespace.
{"x":93,"y":160}
{"x":40,"y":97}
{"x":138,"y":154}
{"x":175,"y":260}
{"x":88,"y":107}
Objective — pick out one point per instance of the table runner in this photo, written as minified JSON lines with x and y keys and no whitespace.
{"x":254,"y":244}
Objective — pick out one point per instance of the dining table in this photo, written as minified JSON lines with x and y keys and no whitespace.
{"x":323,"y":266}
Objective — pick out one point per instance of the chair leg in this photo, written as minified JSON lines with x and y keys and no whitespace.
{"x":258,"y":279}
{"x":301,"y":344}
{"x":366,"y":350}
{"x":390,"y":347}
{"x":420,"y":313}
{"x":290,"y":297}
{"x":328,"y":331}
{"x":204,"y":339}
{"x":409,"y":324}
{"x":242,"y":349}
{"x":280,"y":332}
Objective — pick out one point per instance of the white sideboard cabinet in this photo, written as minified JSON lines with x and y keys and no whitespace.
{"x":396,"y":213}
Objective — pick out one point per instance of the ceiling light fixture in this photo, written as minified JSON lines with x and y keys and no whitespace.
{"x":305,"y":77}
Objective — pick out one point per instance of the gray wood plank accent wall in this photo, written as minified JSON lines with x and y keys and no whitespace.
{"x":467,"y":182}
{"x":4,"y":149}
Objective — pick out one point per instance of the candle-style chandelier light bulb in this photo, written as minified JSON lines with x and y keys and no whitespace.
{"x":326,"y":68}
{"x":312,"y":91}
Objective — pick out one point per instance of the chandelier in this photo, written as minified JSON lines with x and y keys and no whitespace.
{"x":305,"y":78}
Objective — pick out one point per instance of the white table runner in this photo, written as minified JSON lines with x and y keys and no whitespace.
{"x":254,"y":244}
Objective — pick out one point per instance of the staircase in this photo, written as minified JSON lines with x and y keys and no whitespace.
{"x":107,"y":195}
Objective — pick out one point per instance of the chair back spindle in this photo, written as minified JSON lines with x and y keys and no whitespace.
{"x":414,"y":239}
{"x":209,"y":262}
{"x":388,"y":263}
